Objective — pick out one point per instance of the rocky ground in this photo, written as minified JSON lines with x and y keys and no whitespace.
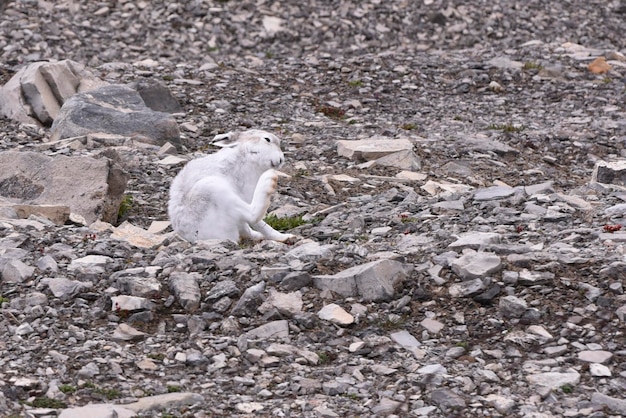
{"x":510,"y":300}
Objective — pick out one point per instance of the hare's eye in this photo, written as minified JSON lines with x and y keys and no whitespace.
{"x":268,"y":139}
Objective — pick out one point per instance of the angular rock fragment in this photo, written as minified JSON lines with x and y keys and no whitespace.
{"x":494,"y":192}
{"x":249,"y":301}
{"x":97,"y":411}
{"x":64,"y":288}
{"x":616,"y":405}
{"x":164,"y":401}
{"x":15,"y":271}
{"x":512,"y":306}
{"x":114,"y":109}
{"x":92,"y":188}
{"x":613,"y":172}
{"x":186,"y":289}
{"x":373,"y":148}
{"x":125,"y":332}
{"x":374,"y":281}
{"x":466,"y":288}
{"x":476,"y":265}
{"x":36,"y":92}
{"x":274,"y":329}
{"x":475,"y":240}
{"x":137,"y":236}
{"x":447,"y":400}
{"x":554,"y":380}
{"x":157,"y":96}
{"x":336,"y":314}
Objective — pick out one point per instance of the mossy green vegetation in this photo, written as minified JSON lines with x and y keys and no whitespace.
{"x":286,"y":223}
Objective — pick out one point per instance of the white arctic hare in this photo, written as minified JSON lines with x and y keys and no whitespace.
{"x":225,"y":195}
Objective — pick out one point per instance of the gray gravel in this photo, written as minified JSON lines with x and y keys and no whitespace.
{"x":506,"y":294}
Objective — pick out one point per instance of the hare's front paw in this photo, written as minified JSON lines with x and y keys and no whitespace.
{"x":267,"y":182}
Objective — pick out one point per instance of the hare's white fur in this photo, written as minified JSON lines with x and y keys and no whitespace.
{"x":225,"y":195}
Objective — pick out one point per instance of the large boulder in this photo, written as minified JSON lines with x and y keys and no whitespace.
{"x":114,"y":109}
{"x":91,"y":187}
{"x":37,"y":91}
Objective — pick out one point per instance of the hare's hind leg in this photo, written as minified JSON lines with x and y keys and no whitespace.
{"x":216,"y":211}
{"x":270,"y":233}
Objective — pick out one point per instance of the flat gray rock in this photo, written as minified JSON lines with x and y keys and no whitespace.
{"x":92,"y":188}
{"x":114,"y":109}
{"x":476,"y":265}
{"x":186,"y":289}
{"x":374,"y":281}
{"x":372,"y":148}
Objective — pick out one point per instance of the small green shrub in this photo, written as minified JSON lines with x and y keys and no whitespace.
{"x":284,"y":224}
{"x":324,"y":357}
{"x":125,"y":206}
{"x":531,"y":65}
{"x":109,"y":393}
{"x":173,"y":388}
{"x":355,"y":83}
{"x":567,"y":388}
{"x":67,"y":389}
{"x":45,"y":402}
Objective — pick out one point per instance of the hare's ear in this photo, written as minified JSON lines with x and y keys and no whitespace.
{"x":227,"y":140}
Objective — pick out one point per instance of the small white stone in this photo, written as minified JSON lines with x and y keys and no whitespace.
{"x":336,"y":314}
{"x":432,"y":369}
{"x":599,"y":370}
{"x":354,"y":347}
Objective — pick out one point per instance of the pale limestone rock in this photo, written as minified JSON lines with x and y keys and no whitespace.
{"x":554,"y":380}
{"x":91,"y":187}
{"x":373,"y":281}
{"x":335,"y":314}
{"x":613,"y":172}
{"x":125,"y":332}
{"x":137,"y":236}
{"x":595,"y":356}
{"x":474,"y":265}
{"x":59,"y":214}
{"x":274,"y":329}
{"x":167,"y":400}
{"x":130,"y":303}
{"x":475,"y":240}
{"x":373,"y":148}
{"x":98,"y":411}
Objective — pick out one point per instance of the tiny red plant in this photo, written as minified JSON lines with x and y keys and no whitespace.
{"x":612,"y":228}
{"x":520,"y":228}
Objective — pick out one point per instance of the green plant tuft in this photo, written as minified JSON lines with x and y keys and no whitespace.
{"x":109,"y":393}
{"x":355,"y":83}
{"x":173,"y":388}
{"x":125,"y":206}
{"x":45,"y":402}
{"x":408,"y":126}
{"x":567,"y":388}
{"x":531,"y":65}
{"x":284,"y":224}
{"x":67,"y":389}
